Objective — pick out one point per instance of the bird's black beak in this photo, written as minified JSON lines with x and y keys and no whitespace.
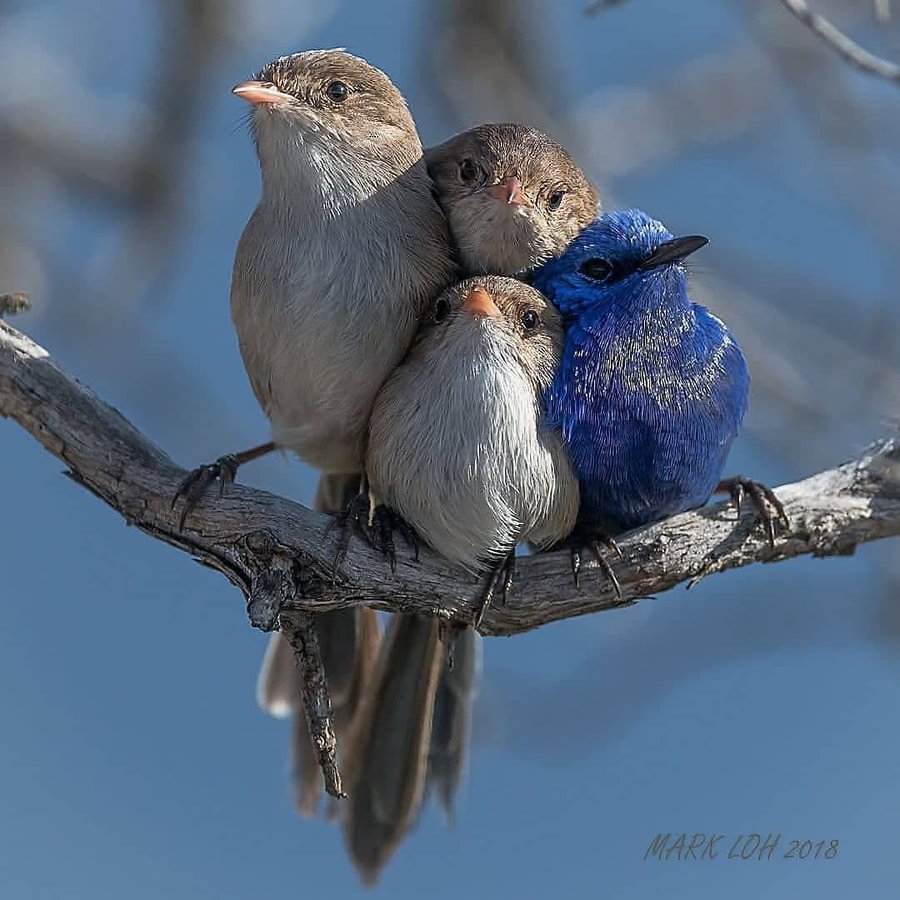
{"x":672,"y":251}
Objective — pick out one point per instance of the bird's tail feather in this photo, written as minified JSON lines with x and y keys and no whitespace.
{"x":390,"y":740}
{"x":455,"y":698}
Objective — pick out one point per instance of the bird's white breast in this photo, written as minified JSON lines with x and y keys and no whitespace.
{"x":456,"y":447}
{"x":327,"y":289}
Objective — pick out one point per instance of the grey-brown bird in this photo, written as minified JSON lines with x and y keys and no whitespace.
{"x":469,"y":395}
{"x":344,"y":251}
{"x":513,"y":197}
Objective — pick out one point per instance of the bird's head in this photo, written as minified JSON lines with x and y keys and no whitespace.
{"x":619,"y":253}
{"x":498,"y":318}
{"x":328,"y":104}
{"x":513,"y":197}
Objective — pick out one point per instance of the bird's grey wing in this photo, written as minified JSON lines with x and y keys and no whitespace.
{"x":388,"y":759}
{"x":456,"y":693}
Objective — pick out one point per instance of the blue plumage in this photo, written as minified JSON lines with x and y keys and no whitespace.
{"x":652,"y":388}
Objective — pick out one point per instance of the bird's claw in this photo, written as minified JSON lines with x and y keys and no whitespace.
{"x":390,"y":519}
{"x":195,"y":484}
{"x":763,"y":500}
{"x":500,"y":576}
{"x":354,"y":516}
{"x":594,"y":546}
{"x":385,"y":521}
{"x":377,"y":528}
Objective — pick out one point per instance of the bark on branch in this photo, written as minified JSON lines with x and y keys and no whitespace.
{"x":278,"y":554}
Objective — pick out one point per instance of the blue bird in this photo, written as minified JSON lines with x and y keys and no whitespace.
{"x":652,"y":387}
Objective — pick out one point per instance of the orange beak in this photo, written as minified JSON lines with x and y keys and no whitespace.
{"x":257,"y":92}
{"x":509,"y":191}
{"x":479,"y":304}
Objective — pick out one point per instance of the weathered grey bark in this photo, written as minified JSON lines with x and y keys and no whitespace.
{"x":278,"y":554}
{"x":300,"y":630}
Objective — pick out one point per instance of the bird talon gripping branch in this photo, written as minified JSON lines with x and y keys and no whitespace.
{"x":501,"y":576}
{"x":353,"y":517}
{"x":762,"y":499}
{"x":376,"y":524}
{"x":197,"y":482}
{"x":385,"y":522}
{"x":595,"y":546}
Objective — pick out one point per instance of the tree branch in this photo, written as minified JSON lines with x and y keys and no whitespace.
{"x":277,"y":553}
{"x":822,"y":28}
{"x":300,"y":630}
{"x":851,"y":52}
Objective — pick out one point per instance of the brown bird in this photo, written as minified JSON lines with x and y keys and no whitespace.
{"x":513,"y":197}
{"x":456,"y":448}
{"x":338,"y":261}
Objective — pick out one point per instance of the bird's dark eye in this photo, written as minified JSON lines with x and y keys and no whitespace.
{"x":441,"y":309}
{"x":468,"y":171}
{"x":530,"y":320}
{"x":337,"y":91}
{"x":555,"y":200}
{"x":596,"y":269}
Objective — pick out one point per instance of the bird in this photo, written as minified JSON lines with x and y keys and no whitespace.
{"x":652,"y":387}
{"x":458,"y":451}
{"x":344,"y":251}
{"x":513,"y":197}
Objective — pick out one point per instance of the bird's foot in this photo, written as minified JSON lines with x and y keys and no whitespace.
{"x":223,"y":470}
{"x":762,"y":499}
{"x":594,"y":546}
{"x":500,"y":577}
{"x":376,"y":525}
{"x":385,"y":522}
{"x":355,"y":516}
{"x":197,"y":482}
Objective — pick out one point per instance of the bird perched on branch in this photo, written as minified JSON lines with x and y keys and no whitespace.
{"x":513,"y":197}
{"x":467,"y":395}
{"x":652,"y":387}
{"x":331,"y":276}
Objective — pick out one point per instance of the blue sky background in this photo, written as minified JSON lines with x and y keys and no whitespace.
{"x":133,"y":760}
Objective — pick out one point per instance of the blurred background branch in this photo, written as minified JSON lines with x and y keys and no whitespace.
{"x":849,"y":50}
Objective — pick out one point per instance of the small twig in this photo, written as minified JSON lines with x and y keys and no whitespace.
{"x":300,"y":630}
{"x":851,"y":51}
{"x":599,"y":5}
